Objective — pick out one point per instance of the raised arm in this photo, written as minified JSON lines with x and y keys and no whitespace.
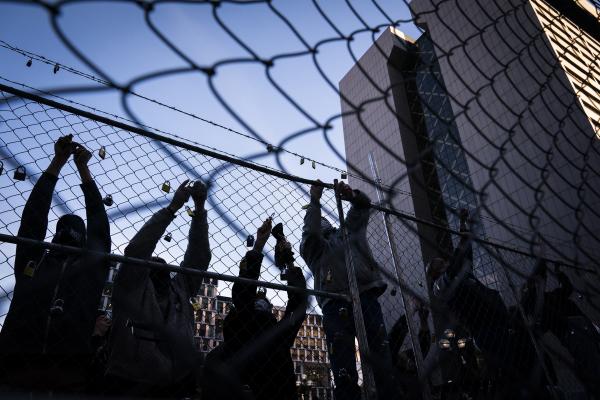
{"x":295,"y":311}
{"x":98,"y":228}
{"x":197,"y":254}
{"x":464,"y":251}
{"x":358,"y":216}
{"x":34,"y":220}
{"x":243,"y":294}
{"x":144,"y":242}
{"x":312,"y":243}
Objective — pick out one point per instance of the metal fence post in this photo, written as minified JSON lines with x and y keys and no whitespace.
{"x":408,"y":306}
{"x":369,"y":388}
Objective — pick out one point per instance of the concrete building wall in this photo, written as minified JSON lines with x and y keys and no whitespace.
{"x":521,"y":124}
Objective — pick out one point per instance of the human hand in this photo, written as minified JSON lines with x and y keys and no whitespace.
{"x":262,"y":234}
{"x":63,"y":148}
{"x":81,"y":156}
{"x":181,"y":196}
{"x":199,"y":192}
{"x":345,"y":191}
{"x":316,"y":191}
{"x":102,"y":325}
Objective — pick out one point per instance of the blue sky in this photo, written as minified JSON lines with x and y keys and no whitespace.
{"x":117,"y":39}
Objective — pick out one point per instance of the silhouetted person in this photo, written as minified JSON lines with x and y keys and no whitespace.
{"x":555,"y":312}
{"x":501,"y":336}
{"x":323,"y":250}
{"x":151,"y":343}
{"x":254,"y":361}
{"x":45,"y":340}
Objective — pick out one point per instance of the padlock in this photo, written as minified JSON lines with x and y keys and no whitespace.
{"x":57,"y":307}
{"x":168,"y":237}
{"x":195,"y":304}
{"x":344,"y":175}
{"x":250,"y":241}
{"x":343,"y":311}
{"x":329,"y":277}
{"x":56,"y":68}
{"x":393,"y":292}
{"x":20,"y":173}
{"x":269,"y":148}
{"x":302,"y":161}
{"x":314,"y":165}
{"x":261,"y":292}
{"x":30,"y":269}
{"x":1,"y":167}
{"x":102,"y":152}
{"x":189,"y":211}
{"x":108,"y":200}
{"x":29,"y":62}
{"x":166,"y":187}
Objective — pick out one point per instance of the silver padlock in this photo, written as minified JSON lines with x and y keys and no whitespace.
{"x":102,"y":152}
{"x":20,"y":173}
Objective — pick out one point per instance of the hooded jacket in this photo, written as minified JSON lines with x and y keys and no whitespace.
{"x":147,"y":345}
{"x":325,"y":254}
{"x":32,"y":337}
{"x":256,"y":346}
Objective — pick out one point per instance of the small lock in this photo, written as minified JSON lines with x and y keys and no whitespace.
{"x":102,"y":152}
{"x":285,"y":274}
{"x":250,"y":241}
{"x":56,"y":68}
{"x":57,"y":307}
{"x":166,"y":187}
{"x":168,"y":237}
{"x":20,"y":173}
{"x":261,"y":292}
{"x":314,"y":165}
{"x":393,"y":292}
{"x":302,"y":161}
{"x":189,"y":211}
{"x":1,"y":167}
{"x":29,"y":63}
{"x":269,"y":148}
{"x":343,"y":311}
{"x":344,"y":175}
{"x":108,"y":200}
{"x":195,"y":304}
{"x":30,"y":269}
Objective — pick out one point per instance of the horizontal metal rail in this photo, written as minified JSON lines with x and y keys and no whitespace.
{"x":166,"y":267}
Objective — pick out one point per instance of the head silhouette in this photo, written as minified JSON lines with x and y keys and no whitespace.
{"x":70,"y":231}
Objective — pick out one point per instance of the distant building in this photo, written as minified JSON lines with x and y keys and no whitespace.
{"x":309,"y":353}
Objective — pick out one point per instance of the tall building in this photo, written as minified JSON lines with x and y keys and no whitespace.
{"x":309,"y":352}
{"x":494,"y":108}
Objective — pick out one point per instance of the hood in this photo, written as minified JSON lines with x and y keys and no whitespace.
{"x":70,"y":231}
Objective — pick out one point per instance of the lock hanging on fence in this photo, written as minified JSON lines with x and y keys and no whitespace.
{"x":189,"y":211}
{"x":250,"y":241}
{"x":20,"y":173}
{"x":393,"y":292}
{"x":102,"y":152}
{"x":108,"y":200}
{"x":1,"y":167}
{"x":166,"y":187}
{"x":344,"y":175}
{"x":314,"y":165}
{"x":56,"y":68}
{"x":29,"y":63}
{"x":195,"y":304}
{"x":168,"y":237}
{"x":30,"y":269}
{"x":302,"y":161}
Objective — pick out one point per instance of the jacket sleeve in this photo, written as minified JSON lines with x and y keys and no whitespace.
{"x":463,"y":253}
{"x":358,"y":216}
{"x":312,"y":244}
{"x":142,"y":246}
{"x":98,"y":228}
{"x":295,"y":310}
{"x":243,"y":294}
{"x":197,"y":255}
{"x":34,"y":221}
